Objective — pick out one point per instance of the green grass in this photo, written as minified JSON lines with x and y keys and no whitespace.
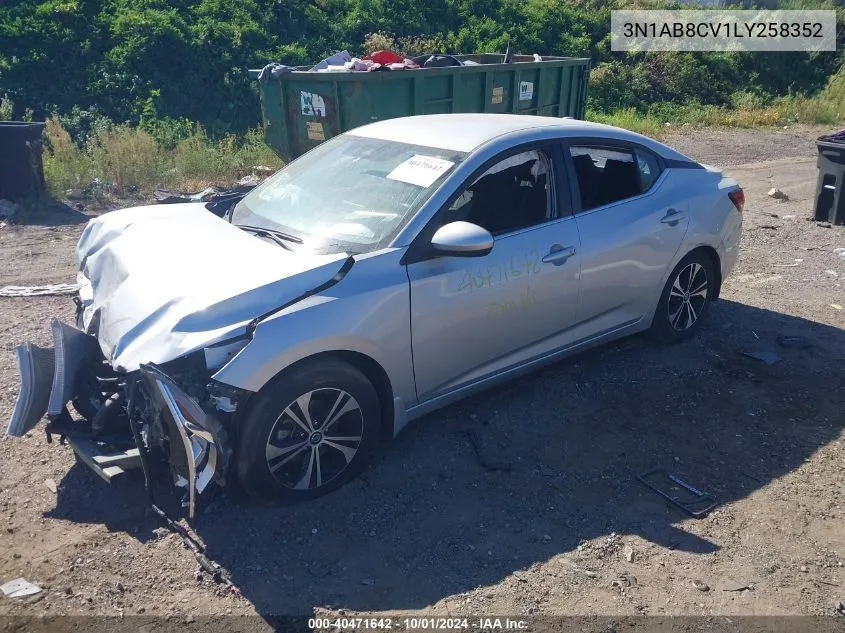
{"x":130,"y":161}
{"x":127,"y":160}
{"x":748,"y":111}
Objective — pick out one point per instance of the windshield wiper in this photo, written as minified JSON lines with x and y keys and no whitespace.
{"x":277,"y":236}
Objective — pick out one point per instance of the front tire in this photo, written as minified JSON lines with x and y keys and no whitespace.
{"x":685,"y":299}
{"x":309,"y":431}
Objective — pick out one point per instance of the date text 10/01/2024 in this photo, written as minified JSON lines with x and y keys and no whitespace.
{"x":417,"y":624}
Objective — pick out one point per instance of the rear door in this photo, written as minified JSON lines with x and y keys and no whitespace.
{"x":631,"y":222}
{"x":475,"y":316}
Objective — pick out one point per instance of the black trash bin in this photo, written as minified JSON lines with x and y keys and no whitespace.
{"x":830,"y":191}
{"x":21,"y":168}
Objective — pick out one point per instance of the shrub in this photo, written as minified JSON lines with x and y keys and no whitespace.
{"x":128,"y":157}
{"x":66,"y":166}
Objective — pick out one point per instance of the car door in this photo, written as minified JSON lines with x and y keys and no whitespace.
{"x":631,"y":223}
{"x":475,"y":316}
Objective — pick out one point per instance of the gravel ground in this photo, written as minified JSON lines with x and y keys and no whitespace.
{"x":562,"y":526}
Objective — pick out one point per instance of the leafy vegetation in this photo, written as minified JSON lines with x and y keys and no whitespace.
{"x":143,"y":61}
{"x":139,"y":93}
{"x":124,"y":161}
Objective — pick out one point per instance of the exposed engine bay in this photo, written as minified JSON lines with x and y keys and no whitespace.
{"x":174,"y":413}
{"x":131,"y":384}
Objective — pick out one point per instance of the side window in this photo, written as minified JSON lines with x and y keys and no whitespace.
{"x":649,"y":168}
{"x":515,"y":193}
{"x":605,"y":175}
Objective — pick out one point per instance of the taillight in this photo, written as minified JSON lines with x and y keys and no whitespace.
{"x":738,"y":198}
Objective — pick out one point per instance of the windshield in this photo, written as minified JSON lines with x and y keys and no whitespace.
{"x":348,"y":194}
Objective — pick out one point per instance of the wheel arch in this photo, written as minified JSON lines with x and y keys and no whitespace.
{"x":373,"y":372}
{"x":713,"y":255}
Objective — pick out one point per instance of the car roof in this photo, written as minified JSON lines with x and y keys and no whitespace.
{"x":464,"y":132}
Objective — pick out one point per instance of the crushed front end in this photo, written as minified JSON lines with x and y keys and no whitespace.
{"x":171,"y":415}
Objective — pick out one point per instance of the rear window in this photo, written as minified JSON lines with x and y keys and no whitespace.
{"x":605,"y":175}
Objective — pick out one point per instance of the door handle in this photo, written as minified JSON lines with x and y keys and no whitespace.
{"x":672,"y":217}
{"x":558,"y":254}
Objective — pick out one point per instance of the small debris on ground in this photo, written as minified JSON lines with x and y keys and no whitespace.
{"x":51,"y":485}
{"x":770,"y":358}
{"x":700,"y":585}
{"x":824,"y":225}
{"x":19,"y":588}
{"x":777,"y":194}
{"x":733,"y":585}
{"x":39,"y":291}
{"x":840,"y":608}
{"x":792,"y":342}
{"x":629,"y":554}
{"x":625,"y":581}
{"x":835,"y":306}
{"x":251,"y":179}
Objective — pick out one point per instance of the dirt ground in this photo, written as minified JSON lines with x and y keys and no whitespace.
{"x":563,"y":526}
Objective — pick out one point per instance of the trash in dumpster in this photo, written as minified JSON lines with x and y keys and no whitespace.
{"x":677,"y":492}
{"x":341,"y":92}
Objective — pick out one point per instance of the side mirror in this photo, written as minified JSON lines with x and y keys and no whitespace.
{"x":462,"y":239}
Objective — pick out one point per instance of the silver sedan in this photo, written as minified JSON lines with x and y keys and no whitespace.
{"x":390,"y":271}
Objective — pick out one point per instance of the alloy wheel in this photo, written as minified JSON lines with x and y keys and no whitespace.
{"x":688,"y":296}
{"x":315,"y":438}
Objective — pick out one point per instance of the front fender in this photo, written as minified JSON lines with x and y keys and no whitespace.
{"x":368,"y":312}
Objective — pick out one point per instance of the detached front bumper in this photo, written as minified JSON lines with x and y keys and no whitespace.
{"x":165,"y":418}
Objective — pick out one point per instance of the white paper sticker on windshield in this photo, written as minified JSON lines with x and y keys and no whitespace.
{"x":420,"y":170}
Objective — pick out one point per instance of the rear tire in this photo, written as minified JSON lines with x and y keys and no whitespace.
{"x":685,"y":299}
{"x":309,"y":431}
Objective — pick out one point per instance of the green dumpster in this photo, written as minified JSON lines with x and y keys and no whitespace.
{"x":301,"y":108}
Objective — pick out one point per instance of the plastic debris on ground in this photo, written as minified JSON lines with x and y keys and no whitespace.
{"x":39,"y":291}
{"x":19,"y":588}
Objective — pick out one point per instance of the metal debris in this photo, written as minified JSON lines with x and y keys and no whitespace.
{"x":700,"y":585}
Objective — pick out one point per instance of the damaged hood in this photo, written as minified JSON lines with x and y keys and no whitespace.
{"x":158,"y":282}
